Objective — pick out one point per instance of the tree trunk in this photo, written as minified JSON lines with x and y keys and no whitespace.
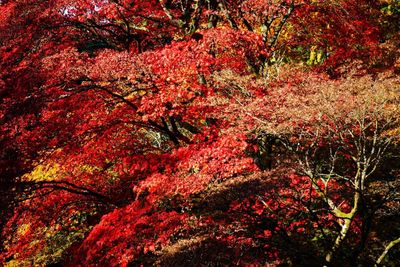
{"x":338,"y":241}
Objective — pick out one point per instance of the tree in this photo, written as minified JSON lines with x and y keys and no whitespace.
{"x":146,"y":132}
{"x":343,"y":134}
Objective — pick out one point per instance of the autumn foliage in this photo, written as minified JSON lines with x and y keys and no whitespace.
{"x":199,"y":133}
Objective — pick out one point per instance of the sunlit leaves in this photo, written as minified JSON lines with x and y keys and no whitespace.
{"x":160,"y":132}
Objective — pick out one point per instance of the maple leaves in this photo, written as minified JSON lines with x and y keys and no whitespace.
{"x":159,"y":132}
{"x":143,"y":231}
{"x":331,"y":42}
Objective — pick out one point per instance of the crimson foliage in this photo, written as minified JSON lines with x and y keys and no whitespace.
{"x":197,"y":132}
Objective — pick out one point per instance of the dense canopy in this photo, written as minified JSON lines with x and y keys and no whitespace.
{"x":199,"y":133}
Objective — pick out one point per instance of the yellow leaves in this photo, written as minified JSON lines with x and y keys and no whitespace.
{"x":53,"y":172}
{"x":23,"y":229}
{"x":395,"y":134}
{"x":262,"y":29}
{"x":319,"y":57}
{"x":312,"y":56}
{"x":88,"y":168}
{"x":391,"y":7}
{"x":49,"y":243}
{"x":17,"y":263}
{"x":315,"y":56}
{"x":48,"y":172}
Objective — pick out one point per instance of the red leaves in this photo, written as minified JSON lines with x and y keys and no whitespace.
{"x":197,"y":165}
{"x":128,"y":233}
{"x":346,"y":30}
{"x":147,"y":109}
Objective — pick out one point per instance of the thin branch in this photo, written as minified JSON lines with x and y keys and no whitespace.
{"x":386,"y":251}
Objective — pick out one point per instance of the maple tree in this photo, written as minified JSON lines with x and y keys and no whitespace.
{"x":199,"y":132}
